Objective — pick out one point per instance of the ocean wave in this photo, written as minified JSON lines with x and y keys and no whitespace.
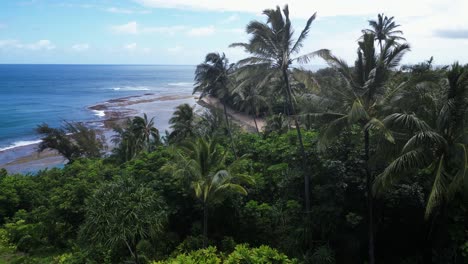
{"x":21,"y":143}
{"x":180,"y":84}
{"x":99,"y":113}
{"x":130,"y":88}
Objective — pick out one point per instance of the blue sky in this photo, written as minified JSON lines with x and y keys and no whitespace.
{"x":183,"y":31}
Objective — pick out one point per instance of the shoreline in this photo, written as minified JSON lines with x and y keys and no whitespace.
{"x":26,"y":159}
{"x":242,"y":119}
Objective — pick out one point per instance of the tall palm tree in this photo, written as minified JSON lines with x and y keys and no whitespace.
{"x":442,"y":148}
{"x":250,"y":101}
{"x":251,"y":90}
{"x":384,"y":28}
{"x":273,"y":47}
{"x":183,"y":123}
{"x":362,"y":102}
{"x":146,"y":132}
{"x":212,"y":78}
{"x":202,"y":164}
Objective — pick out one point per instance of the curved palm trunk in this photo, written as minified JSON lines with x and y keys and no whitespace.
{"x":370,"y":200}
{"x":301,"y":143}
{"x":229,"y":130}
{"x":205,"y":225}
{"x":255,"y":118}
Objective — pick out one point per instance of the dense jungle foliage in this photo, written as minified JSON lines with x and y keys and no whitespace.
{"x":356,"y":164}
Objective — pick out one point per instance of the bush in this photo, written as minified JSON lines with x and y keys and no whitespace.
{"x":263,"y":254}
{"x":203,"y":256}
{"x":241,"y":255}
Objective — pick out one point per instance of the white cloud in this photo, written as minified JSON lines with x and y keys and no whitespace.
{"x":230,"y":19}
{"x":119,"y":10}
{"x":6,"y":43}
{"x":175,"y":49}
{"x":80,"y":47}
{"x":129,"y":28}
{"x":201,"y":31}
{"x":134,"y":28}
{"x":304,"y":8}
{"x":131,"y":46}
{"x":234,"y":30}
{"x":42,"y":44}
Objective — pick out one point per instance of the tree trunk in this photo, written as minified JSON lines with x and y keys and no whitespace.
{"x":229,"y":130}
{"x":132,"y":252}
{"x":370,"y":202}
{"x":255,"y":118}
{"x":137,"y":260}
{"x":205,"y":225}
{"x":301,"y":143}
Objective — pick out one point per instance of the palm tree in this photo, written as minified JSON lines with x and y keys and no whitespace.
{"x":183,"y":123}
{"x":362,"y":101}
{"x":442,"y":149}
{"x":272,"y":46}
{"x":145,"y":131}
{"x":136,"y":135}
{"x":249,"y":100}
{"x":212,"y":78}
{"x":384,"y":28}
{"x":202,"y":164}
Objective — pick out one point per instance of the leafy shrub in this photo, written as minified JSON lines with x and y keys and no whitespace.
{"x":202,"y":256}
{"x":26,"y":236}
{"x":263,"y":254}
{"x":322,"y":255}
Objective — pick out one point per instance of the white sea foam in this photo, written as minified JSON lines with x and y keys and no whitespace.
{"x":130,"y":88}
{"x":180,"y":84}
{"x":20,"y":143}
{"x":99,"y":113}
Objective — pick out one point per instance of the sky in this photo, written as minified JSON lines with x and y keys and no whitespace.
{"x":183,"y":31}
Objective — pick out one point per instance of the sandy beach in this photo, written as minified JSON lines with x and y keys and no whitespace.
{"x":242,"y":119}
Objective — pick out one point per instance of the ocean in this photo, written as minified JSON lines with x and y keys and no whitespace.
{"x":35,"y":94}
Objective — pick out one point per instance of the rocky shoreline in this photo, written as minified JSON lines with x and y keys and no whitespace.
{"x":26,"y":159}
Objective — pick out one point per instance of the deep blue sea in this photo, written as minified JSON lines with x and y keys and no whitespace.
{"x":35,"y":94}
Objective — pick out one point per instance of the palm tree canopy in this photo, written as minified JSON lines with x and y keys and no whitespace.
{"x":361,"y":100}
{"x":202,"y":165}
{"x":272,"y":44}
{"x":442,"y":149}
{"x":183,"y":123}
{"x":211,"y":76}
{"x":384,"y":28}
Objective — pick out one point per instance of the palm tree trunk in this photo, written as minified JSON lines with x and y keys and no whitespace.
{"x":132,"y":252}
{"x":256,"y":126}
{"x":301,"y":143}
{"x":205,"y":225}
{"x":229,"y":130}
{"x":370,"y":201}
{"x":255,"y":117}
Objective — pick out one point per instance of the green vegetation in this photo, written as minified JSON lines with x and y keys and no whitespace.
{"x":356,"y":164}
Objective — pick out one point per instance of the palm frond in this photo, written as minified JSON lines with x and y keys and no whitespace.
{"x":378,"y":125}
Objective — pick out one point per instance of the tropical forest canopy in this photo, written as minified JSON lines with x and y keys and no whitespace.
{"x":359,"y":162}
